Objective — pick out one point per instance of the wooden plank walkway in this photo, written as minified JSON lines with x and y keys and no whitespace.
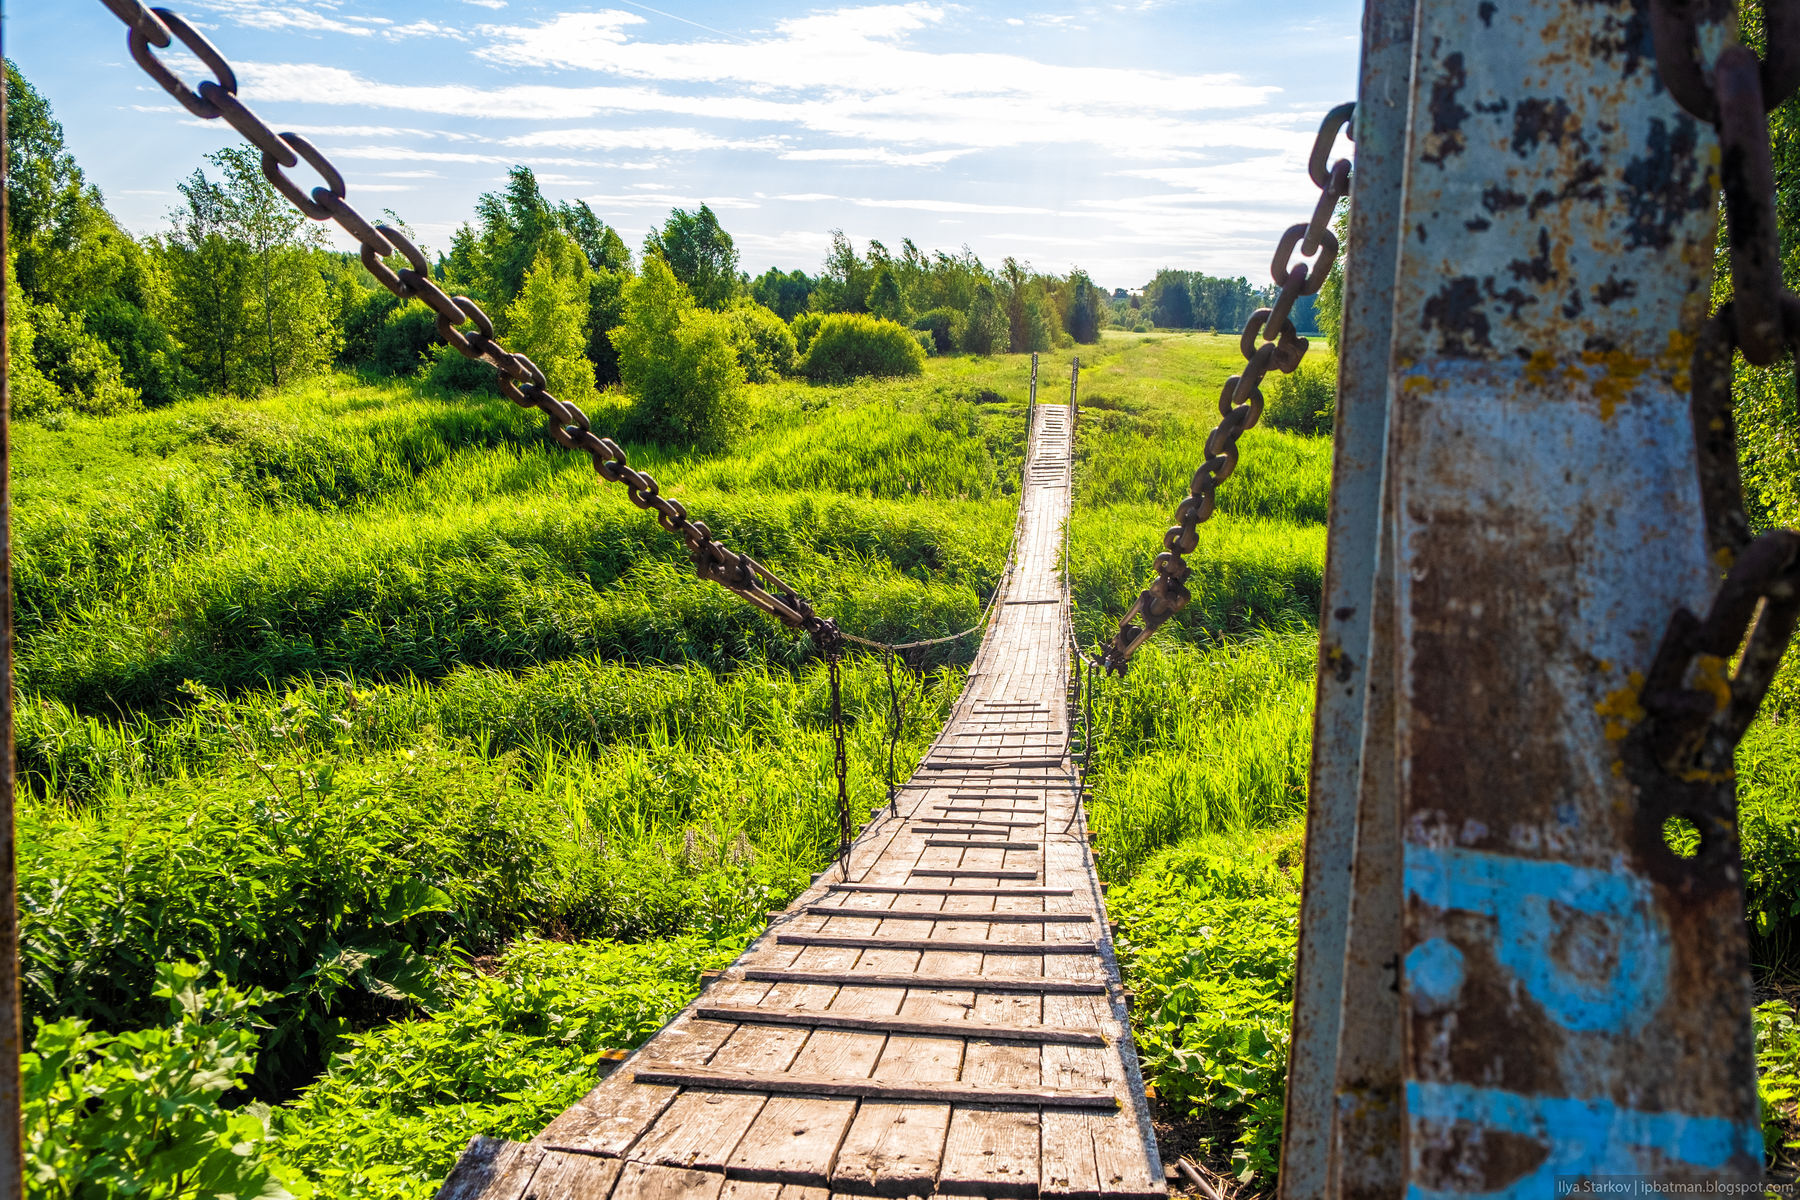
{"x":943,"y":1018}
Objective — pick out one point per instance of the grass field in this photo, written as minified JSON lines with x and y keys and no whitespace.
{"x":372,"y":700}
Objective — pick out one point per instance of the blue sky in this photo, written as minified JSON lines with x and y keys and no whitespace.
{"x":1119,"y":136}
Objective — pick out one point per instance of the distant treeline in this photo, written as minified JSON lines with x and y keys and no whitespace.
{"x":242,"y":293}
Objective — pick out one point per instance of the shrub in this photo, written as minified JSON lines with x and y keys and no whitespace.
{"x":148,"y":356}
{"x":547,"y":323}
{"x":364,"y":317}
{"x":403,"y":342}
{"x":1305,"y":401}
{"x":765,"y":345}
{"x":804,"y":326}
{"x":946,"y":326}
{"x":84,"y":374}
{"x":851,"y":345}
{"x":138,"y":1113}
{"x":449,"y":369}
{"x":679,"y":362}
{"x":926,"y":342}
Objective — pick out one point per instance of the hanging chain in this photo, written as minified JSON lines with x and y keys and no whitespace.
{"x":1241,"y":401}
{"x":838,"y":761}
{"x":520,"y":379}
{"x":1697,"y":710}
{"x":893,"y":792}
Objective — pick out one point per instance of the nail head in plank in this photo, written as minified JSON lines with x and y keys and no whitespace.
{"x":829,"y":1019}
{"x":717,"y":1080}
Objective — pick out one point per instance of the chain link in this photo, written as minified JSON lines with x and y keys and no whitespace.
{"x":520,"y":379}
{"x":1269,"y":342}
{"x":1697,"y":710}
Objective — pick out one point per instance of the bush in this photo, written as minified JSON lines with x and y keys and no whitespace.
{"x":450,"y":370}
{"x":148,"y":356}
{"x":83,"y":373}
{"x":946,"y":326}
{"x":547,"y":322}
{"x":804,"y":326}
{"x":926,"y":342}
{"x":1304,"y":402}
{"x":765,"y":345}
{"x":1206,"y":940}
{"x":404,"y":340}
{"x":679,"y":362}
{"x":850,"y":345}
{"x":364,"y":317}
{"x":138,"y":1113}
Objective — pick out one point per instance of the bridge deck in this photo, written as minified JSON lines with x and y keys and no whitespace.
{"x":943,"y":1018}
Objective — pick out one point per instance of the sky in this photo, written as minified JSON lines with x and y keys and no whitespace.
{"x":1121,"y":136}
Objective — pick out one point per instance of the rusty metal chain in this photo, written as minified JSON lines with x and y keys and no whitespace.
{"x":1241,"y":401}
{"x":1696,"y":708}
{"x":460,"y":321}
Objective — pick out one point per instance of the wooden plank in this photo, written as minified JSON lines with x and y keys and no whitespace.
{"x":643,"y":1181}
{"x":980,"y":764}
{"x":564,"y":1176}
{"x":983,"y":845}
{"x":945,"y":944}
{"x":700,"y":1129}
{"x":727,"y":1081}
{"x":922,"y":890}
{"x":971,"y":873}
{"x":831,"y":1019}
{"x":942,"y":982}
{"x":615,"y":1114}
{"x":1016,"y":918}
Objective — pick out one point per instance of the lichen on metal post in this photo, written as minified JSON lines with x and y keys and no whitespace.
{"x":1567,"y":1009}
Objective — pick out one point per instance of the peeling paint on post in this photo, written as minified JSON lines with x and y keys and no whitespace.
{"x":1569,"y":1006}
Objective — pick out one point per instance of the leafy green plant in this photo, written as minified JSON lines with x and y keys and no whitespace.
{"x":139,"y":1113}
{"x":1207,"y":931}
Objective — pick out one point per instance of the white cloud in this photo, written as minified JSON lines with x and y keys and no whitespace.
{"x":669,"y":139}
{"x":879,"y":155}
{"x":670,"y":200}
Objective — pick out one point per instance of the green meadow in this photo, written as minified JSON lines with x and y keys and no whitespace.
{"x":389,"y":712}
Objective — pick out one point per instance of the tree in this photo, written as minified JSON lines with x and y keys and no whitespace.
{"x":547,"y":323}
{"x":700,"y":254}
{"x":679,"y":362}
{"x":784,"y":294}
{"x":1013,"y":276}
{"x":250,"y":307}
{"x":985,"y":332}
{"x":1170,"y":302}
{"x":885,"y":298}
{"x":843,"y":284}
{"x":1085,"y":300}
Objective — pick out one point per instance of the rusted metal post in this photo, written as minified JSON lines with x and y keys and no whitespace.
{"x":1360,"y":435}
{"x":1074,"y":381}
{"x":1573,"y":997}
{"x":12,"y":1145}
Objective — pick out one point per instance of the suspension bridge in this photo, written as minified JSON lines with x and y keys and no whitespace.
{"x":1509,"y":981}
{"x":939,"y":1014}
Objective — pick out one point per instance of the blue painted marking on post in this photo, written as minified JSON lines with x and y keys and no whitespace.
{"x":1434,"y":974}
{"x":1587,"y":945}
{"x":1580,"y":1137}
